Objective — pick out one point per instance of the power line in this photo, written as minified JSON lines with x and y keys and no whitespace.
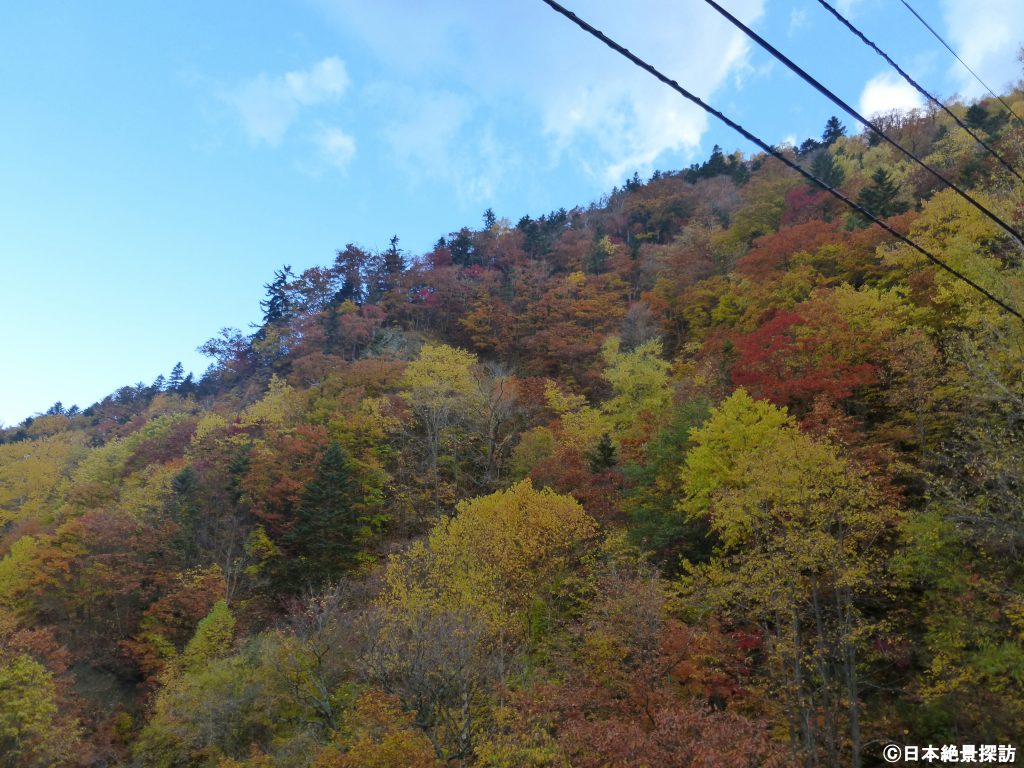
{"x":775,"y":153}
{"x":957,"y":57}
{"x":817,"y":85}
{"x":849,"y":25}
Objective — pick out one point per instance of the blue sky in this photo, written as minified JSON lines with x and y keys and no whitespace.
{"x":161,"y":160}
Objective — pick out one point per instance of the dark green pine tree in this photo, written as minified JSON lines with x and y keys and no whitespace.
{"x":184,"y":508}
{"x":188,"y":385}
{"x":603,"y":456}
{"x":825,"y":167}
{"x":808,"y":146}
{"x":977,"y":117}
{"x":393,"y":264}
{"x":176,"y":378}
{"x":881,"y":196}
{"x":715,"y":165}
{"x":329,"y":531}
{"x":834,"y":130}
{"x":460,"y":244}
{"x":277,"y":307}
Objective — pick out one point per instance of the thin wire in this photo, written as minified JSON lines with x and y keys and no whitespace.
{"x":858,"y":116}
{"x":849,"y":25}
{"x":775,"y":153}
{"x":957,"y":57}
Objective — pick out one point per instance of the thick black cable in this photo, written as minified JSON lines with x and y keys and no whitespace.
{"x":775,"y":153}
{"x":849,"y":25}
{"x":957,"y":57}
{"x":818,"y":86}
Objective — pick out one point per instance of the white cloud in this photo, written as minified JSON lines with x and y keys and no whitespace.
{"x":336,"y":147}
{"x":268,"y":105}
{"x":987,"y":34}
{"x":439,"y":135}
{"x":797,"y":20}
{"x":587,"y":100}
{"x":847,"y":7}
{"x":886,"y":92}
{"x":327,"y":79}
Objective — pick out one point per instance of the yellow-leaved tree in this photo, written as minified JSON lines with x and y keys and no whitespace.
{"x":455,"y":607}
{"x":801,"y":533}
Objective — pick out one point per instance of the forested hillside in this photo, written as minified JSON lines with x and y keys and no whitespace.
{"x":708,"y":473}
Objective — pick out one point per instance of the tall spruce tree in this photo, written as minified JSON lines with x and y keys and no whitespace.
{"x":329,"y":531}
{"x":825,"y":168}
{"x":881,"y":196}
{"x":277,"y":307}
{"x":834,"y":130}
{"x":176,"y":378}
{"x":603,"y":456}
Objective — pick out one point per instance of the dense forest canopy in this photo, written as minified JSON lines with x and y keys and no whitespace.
{"x":710,"y":472}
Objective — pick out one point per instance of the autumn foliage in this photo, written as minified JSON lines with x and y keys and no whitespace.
{"x":706,"y":473}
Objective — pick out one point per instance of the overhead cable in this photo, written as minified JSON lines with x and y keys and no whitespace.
{"x":920,"y":89}
{"x":818,"y":86}
{"x":650,"y":69}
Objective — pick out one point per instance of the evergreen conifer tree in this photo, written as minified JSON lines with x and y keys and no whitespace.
{"x":881,"y":196}
{"x":976,"y":117}
{"x":277,"y":307}
{"x":834,"y":130}
{"x":176,"y":378}
{"x":825,"y":168}
{"x":603,"y":456}
{"x":329,"y":530}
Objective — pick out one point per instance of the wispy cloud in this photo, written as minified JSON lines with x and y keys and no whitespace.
{"x":847,"y":7}
{"x":434,"y":135}
{"x":886,"y":92}
{"x":987,"y":34}
{"x":797,"y":20}
{"x":591,"y":107}
{"x":336,"y":147}
{"x":268,"y":105}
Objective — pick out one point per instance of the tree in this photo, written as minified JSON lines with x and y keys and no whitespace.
{"x":176,"y":378}
{"x":439,"y":386}
{"x":597,"y":258}
{"x":603,"y":455}
{"x":378,"y":733}
{"x":387,"y":267}
{"x":188,"y":385}
{"x":642,"y":392}
{"x":32,"y":733}
{"x":976,"y":117}
{"x":277,"y":306}
{"x":808,"y":146}
{"x":655,"y":488}
{"x":461,"y":247}
{"x":834,"y":130}
{"x":351,"y":264}
{"x":825,"y":168}
{"x":801,"y":532}
{"x":638,"y":326}
{"x":329,"y":530}
{"x":212,"y":638}
{"x":881,"y":197}
{"x":455,"y":608}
